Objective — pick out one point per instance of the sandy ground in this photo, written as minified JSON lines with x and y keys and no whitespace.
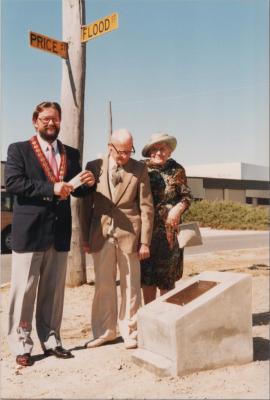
{"x":108,"y":372}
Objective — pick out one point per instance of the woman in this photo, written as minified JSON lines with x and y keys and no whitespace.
{"x":171,"y":197}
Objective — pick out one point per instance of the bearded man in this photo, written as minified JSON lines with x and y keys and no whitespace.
{"x":37,"y":173}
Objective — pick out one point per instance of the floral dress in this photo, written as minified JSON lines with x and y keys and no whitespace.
{"x":169,"y":187}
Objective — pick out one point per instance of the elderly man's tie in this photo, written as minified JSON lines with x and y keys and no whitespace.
{"x":116,"y":175}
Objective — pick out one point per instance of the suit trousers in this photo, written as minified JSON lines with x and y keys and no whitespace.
{"x":104,"y":307}
{"x":42,"y":275}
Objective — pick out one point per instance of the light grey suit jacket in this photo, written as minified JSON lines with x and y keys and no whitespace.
{"x":130,"y":208}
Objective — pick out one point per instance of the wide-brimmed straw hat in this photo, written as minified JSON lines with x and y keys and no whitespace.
{"x":160,"y":137}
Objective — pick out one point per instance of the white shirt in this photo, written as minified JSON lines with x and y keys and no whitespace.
{"x":112,"y":163}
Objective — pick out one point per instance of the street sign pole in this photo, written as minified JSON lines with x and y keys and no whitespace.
{"x":72,"y":126}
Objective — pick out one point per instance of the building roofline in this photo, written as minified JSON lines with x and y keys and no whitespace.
{"x":221,"y":183}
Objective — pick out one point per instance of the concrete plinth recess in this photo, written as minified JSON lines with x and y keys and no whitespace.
{"x":204,"y":323}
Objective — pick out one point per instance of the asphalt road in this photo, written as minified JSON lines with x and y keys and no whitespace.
{"x":232,"y":241}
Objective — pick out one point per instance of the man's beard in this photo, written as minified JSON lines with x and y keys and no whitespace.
{"x":49,"y":137}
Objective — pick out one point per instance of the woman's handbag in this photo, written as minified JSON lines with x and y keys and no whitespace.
{"x":189,"y":235}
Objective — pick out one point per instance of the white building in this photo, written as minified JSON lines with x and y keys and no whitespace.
{"x":236,"y":170}
{"x":241,"y":182}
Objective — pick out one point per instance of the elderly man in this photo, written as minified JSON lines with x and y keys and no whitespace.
{"x":116,"y":222}
{"x":37,"y":173}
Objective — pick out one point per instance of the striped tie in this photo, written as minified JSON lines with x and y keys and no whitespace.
{"x":116,"y":175}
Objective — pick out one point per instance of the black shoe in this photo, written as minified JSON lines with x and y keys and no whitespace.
{"x":58,"y":352}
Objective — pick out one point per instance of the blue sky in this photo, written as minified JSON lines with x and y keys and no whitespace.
{"x":197,"y":69}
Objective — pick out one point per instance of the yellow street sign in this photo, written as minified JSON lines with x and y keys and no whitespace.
{"x":99,"y":27}
{"x":46,"y":43}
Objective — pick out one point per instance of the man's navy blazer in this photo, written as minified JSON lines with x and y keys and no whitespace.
{"x":40,"y":220}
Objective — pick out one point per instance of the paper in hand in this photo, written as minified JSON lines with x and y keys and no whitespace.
{"x":76,"y":181}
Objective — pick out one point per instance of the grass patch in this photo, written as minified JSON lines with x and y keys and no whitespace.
{"x":228,"y":215}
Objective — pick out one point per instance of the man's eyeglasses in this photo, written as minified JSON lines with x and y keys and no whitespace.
{"x":124,"y":152}
{"x":46,"y":120}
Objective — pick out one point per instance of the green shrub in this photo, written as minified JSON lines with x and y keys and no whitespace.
{"x":228,"y":215}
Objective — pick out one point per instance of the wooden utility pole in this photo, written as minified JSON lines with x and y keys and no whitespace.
{"x":72,"y":126}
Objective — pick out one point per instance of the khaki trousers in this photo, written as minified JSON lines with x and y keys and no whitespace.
{"x":42,"y":274}
{"x":104,"y":308}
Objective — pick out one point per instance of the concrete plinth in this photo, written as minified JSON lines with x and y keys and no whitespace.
{"x":204,"y":323}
